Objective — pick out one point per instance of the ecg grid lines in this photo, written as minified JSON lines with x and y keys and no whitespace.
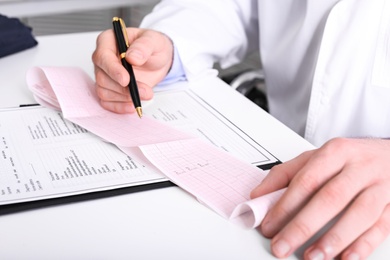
{"x":80,"y":104}
{"x":214,"y":177}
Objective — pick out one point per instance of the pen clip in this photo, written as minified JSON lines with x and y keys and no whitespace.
{"x":124,"y":31}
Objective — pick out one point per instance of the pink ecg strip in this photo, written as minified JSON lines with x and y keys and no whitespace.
{"x":213,"y":176}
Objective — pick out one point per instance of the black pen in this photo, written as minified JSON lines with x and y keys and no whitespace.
{"x":123,"y":44}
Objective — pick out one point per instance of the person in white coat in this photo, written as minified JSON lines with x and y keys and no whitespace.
{"x":327,"y":71}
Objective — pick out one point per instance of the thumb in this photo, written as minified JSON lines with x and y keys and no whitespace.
{"x":136,"y":56}
{"x":143,"y":43}
{"x":149,"y":45}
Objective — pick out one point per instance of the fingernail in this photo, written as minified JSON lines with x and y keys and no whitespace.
{"x":316,"y":254}
{"x":281,"y":248}
{"x":353,"y":256}
{"x":135,"y":54}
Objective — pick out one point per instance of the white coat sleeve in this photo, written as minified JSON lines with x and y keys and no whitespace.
{"x":205,"y":32}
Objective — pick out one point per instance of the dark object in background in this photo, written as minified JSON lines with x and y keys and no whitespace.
{"x":14,"y":36}
{"x":251,"y":84}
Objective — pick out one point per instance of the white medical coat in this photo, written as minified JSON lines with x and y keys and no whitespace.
{"x":326,"y":62}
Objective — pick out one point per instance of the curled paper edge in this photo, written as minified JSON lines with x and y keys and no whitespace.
{"x":40,"y":86}
{"x":251,"y":213}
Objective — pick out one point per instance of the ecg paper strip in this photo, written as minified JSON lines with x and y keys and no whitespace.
{"x":79,"y":103}
{"x":214,"y":177}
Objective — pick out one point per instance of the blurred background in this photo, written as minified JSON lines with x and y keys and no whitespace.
{"x":47,"y":17}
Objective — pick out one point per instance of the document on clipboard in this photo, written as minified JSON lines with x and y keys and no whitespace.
{"x":72,"y":146}
{"x":45,"y":156}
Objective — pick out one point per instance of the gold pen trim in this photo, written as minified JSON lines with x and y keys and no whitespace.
{"x":123,"y":55}
{"x":124,"y":30}
{"x":139,"y":111}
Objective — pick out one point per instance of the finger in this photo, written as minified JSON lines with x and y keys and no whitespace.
{"x":122,"y":103}
{"x":109,"y":95}
{"x":105,"y":57}
{"x":323,"y":165}
{"x":106,"y":94}
{"x":151,"y":51}
{"x":360,"y":220}
{"x":280,"y":175}
{"x":109,"y":90}
{"x":145,"y":91}
{"x":143,"y":44}
{"x":118,"y":107}
{"x":365,"y":244}
{"x":106,"y":82}
{"x":296,"y":231}
{"x":140,"y":49}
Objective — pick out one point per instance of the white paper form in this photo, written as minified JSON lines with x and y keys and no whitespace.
{"x":185,"y":110}
{"x":45,"y":156}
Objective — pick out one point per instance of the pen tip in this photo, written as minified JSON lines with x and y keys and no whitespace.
{"x":139,"y":111}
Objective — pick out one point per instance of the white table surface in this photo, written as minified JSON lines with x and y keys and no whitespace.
{"x":164,"y":223}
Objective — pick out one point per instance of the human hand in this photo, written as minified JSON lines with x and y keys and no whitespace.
{"x":150,"y":53}
{"x":347,"y":178}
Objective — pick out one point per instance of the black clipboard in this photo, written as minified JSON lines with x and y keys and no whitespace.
{"x":37,"y":204}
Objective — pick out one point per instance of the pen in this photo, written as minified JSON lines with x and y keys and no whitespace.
{"x":123,"y":43}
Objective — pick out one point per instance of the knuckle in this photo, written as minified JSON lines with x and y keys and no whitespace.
{"x":100,"y":78}
{"x":104,"y":104}
{"x":338,"y":145}
{"x":366,"y":201}
{"x":334,"y":238}
{"x":100,"y":93}
{"x":308,"y":183}
{"x":277,"y":170}
{"x":369,"y":241}
{"x":303,"y":229}
{"x":282,"y":212}
{"x":369,"y":205}
{"x":97,"y":56}
{"x":331,"y":195}
{"x":306,"y":153}
{"x":280,"y":171}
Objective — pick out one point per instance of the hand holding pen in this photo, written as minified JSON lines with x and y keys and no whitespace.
{"x":123,"y":43}
{"x":150,"y":53}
